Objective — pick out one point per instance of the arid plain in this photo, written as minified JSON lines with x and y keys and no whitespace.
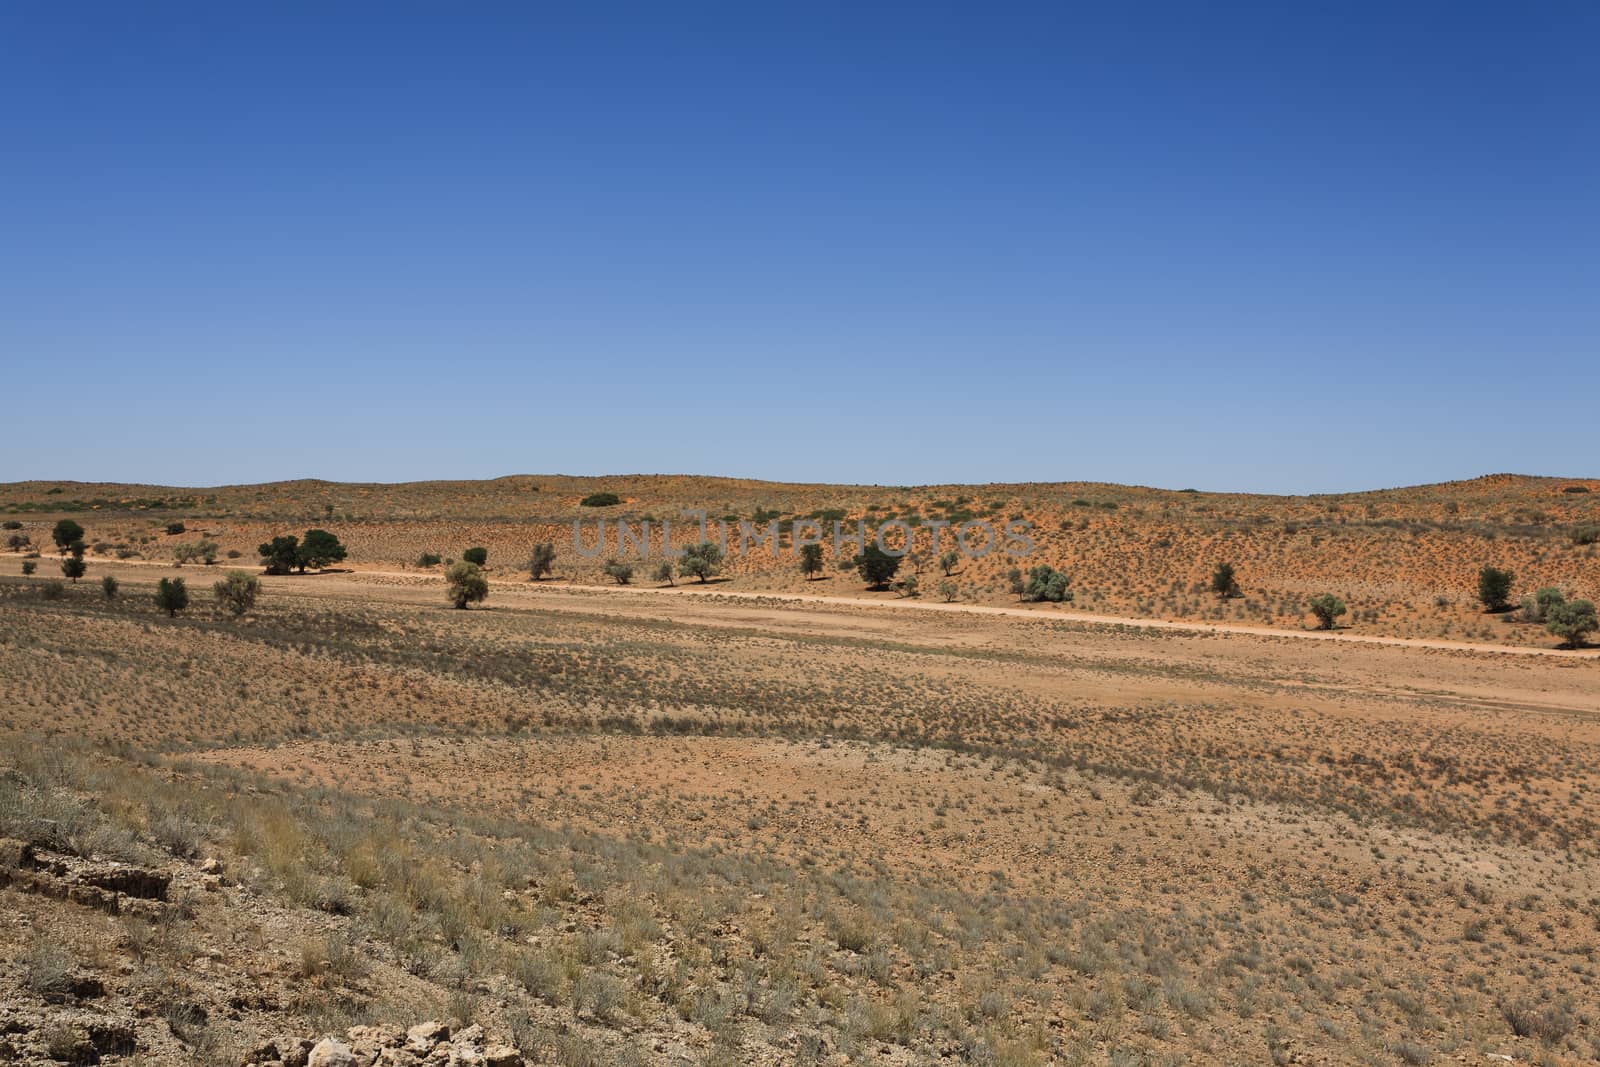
{"x":773,"y":819}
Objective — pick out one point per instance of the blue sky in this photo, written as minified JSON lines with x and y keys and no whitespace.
{"x":1274,"y":247}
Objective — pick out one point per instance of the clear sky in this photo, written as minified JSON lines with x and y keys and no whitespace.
{"x":1276,"y":246}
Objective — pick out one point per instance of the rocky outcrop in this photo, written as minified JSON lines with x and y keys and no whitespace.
{"x":429,"y":1043}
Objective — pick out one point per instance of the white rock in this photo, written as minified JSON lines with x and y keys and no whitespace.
{"x":330,"y":1053}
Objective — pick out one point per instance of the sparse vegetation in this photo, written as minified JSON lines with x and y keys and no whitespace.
{"x":876,"y":567}
{"x":237,"y":591}
{"x":1047,"y":583}
{"x":542,"y":560}
{"x":465,"y":584}
{"x":1572,"y":620}
{"x":1494,"y":588}
{"x":1327,"y":608}
{"x":172,"y":596}
{"x":477,"y":555}
{"x":702,"y":560}
{"x":600,"y":500}
{"x":810,"y":560}
{"x":1225,"y":581}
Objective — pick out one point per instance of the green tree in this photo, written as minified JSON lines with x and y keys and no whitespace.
{"x":465,"y":584}
{"x":908,"y":585}
{"x":1537,"y":608}
{"x":664,"y":572}
{"x":73,"y":567}
{"x":1015,"y":581}
{"x":948,"y":560}
{"x":319,"y":549}
{"x":1047,"y":583}
{"x":28,"y":567}
{"x":949,"y":591}
{"x":621,"y":573}
{"x":172,"y":596}
{"x":1225,"y":581}
{"x":600,"y":500}
{"x":810,"y":561}
{"x":65,"y":533}
{"x":237,"y":591}
{"x":108,"y":586}
{"x":281,"y":554}
{"x":17,"y":542}
{"x":1326,"y":608}
{"x":703,"y":560}
{"x":542,"y":560}
{"x":1573,"y":620}
{"x":1494,"y":588}
{"x":428,"y":559}
{"x":478,"y":555}
{"x":877,"y":567}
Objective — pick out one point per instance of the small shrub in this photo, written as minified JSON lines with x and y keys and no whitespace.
{"x":1494,"y":588}
{"x":465,"y":584}
{"x":1225,"y":582}
{"x":237,"y":591}
{"x":172,"y":596}
{"x":175,"y":528}
{"x":108,"y":586}
{"x":29,"y":566}
{"x":542,"y":560}
{"x":478,"y":555}
{"x":52,"y":590}
{"x":621,"y":573}
{"x":600,"y":500}
{"x":428,"y":559}
{"x":1326,"y":608}
{"x":1047,"y":583}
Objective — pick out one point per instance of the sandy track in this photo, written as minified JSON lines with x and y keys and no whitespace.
{"x":1045,"y":614}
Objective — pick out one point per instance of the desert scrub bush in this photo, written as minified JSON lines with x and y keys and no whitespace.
{"x":172,"y":596}
{"x":175,"y":528}
{"x":663,"y":572}
{"x":876,"y":567}
{"x":1546,"y":1022}
{"x":47,"y":968}
{"x":1573,"y":621}
{"x":52,"y":590}
{"x":428,"y":559}
{"x":476,"y":555}
{"x":1047,"y":583}
{"x":108,"y":587}
{"x":618,"y":572}
{"x":465,"y":584}
{"x":1225,"y":581}
{"x":237,"y":591}
{"x":1494,"y":588}
{"x":702,"y":560}
{"x":28,"y":567}
{"x":1327,"y":608}
{"x":600,"y":500}
{"x":541,"y":560}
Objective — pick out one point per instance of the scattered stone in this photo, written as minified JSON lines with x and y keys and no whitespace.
{"x":502,"y":1056}
{"x":330,"y":1053}
{"x":422,"y":1038}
